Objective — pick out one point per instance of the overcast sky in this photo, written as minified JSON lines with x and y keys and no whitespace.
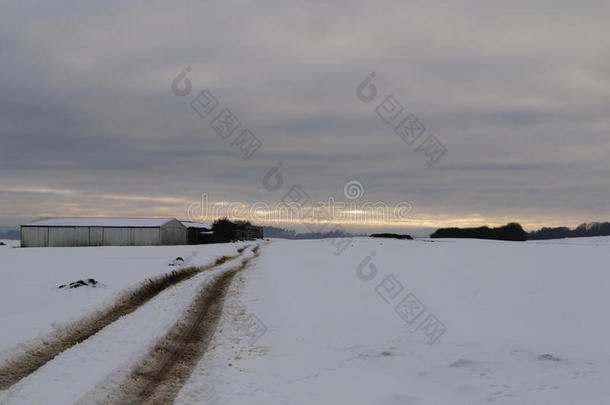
{"x":517,"y":92}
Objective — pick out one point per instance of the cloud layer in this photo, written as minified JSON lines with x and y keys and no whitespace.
{"x":517,"y":93}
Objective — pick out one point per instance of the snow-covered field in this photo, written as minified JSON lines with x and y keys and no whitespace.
{"x":8,"y":243}
{"x":526,"y":323}
{"x":31,"y":305}
{"x":383,"y":322}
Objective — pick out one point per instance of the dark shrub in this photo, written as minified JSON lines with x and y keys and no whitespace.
{"x":391,"y":235}
{"x":582,"y":230}
{"x":512,"y":231}
{"x":224,"y":230}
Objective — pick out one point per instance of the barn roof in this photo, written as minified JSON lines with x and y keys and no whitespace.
{"x":111,"y":222}
{"x":190,"y":224}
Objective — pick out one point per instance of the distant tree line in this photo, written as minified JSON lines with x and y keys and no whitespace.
{"x":12,"y":234}
{"x":582,"y":230}
{"x":512,"y":231}
{"x":275,"y":232}
{"x":391,"y":236}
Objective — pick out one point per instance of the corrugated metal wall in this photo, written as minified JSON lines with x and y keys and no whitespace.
{"x":59,"y":235}
{"x":96,"y":236}
{"x":34,"y":236}
{"x":117,"y":237}
{"x":147,"y":236}
{"x":81,"y":236}
{"x":174,"y":233}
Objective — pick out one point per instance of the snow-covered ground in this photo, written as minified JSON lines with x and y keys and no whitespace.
{"x":31,"y":305}
{"x":526,"y":323}
{"x":385,"y":322}
{"x":8,"y":243}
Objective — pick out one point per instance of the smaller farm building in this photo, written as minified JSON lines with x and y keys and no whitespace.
{"x":198,"y":233}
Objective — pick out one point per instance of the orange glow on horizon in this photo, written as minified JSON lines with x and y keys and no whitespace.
{"x":67,"y":203}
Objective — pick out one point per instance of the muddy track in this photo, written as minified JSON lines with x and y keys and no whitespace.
{"x":36,"y":356}
{"x":159,"y":377}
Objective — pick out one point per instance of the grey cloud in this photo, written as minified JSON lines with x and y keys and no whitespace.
{"x":518,"y":93}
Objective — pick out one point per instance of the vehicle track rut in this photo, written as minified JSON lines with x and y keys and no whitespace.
{"x":34,"y":357}
{"x":159,"y":377}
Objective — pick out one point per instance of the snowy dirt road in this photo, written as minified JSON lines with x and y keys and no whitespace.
{"x":32,"y":358}
{"x":159,"y":377}
{"x":139,"y":349}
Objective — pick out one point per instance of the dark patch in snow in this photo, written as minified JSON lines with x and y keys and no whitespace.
{"x":177,"y":261}
{"x":2,"y":244}
{"x":548,"y":357}
{"x":462,"y":363}
{"x":90,"y":282}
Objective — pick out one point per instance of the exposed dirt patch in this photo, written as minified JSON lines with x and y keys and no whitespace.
{"x":90,"y":282}
{"x":548,"y":357}
{"x":36,"y":356}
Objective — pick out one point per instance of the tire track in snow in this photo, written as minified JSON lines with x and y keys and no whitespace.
{"x":34,"y":357}
{"x":158,"y":378}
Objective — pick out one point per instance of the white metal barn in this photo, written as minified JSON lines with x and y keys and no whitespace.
{"x":103,"y":232}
